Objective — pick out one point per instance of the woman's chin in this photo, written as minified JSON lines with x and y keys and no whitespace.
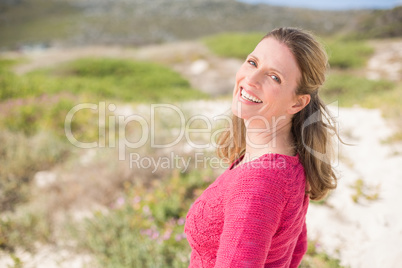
{"x":241,"y":114}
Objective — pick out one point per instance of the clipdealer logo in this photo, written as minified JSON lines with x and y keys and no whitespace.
{"x":148,"y":128}
{"x":149,"y":132}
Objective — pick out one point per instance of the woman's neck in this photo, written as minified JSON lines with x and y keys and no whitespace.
{"x":263,"y":141}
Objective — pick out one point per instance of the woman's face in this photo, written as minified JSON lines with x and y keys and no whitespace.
{"x":266,"y":84}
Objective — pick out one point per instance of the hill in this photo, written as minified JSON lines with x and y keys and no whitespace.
{"x":139,"y":22}
{"x":380,"y":24}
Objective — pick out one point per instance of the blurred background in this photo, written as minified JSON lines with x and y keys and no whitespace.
{"x":110,"y":205}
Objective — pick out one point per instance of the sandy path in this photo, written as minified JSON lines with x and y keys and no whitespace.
{"x":367,"y":233}
{"x":386,"y":62}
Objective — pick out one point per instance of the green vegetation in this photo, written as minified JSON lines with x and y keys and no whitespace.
{"x":47,"y":22}
{"x":363,"y":191}
{"x":346,"y":54}
{"x":42,"y":99}
{"x":122,"y":80}
{"x":342,"y":53}
{"x":33,"y":109}
{"x":315,"y":257}
{"x":350,"y":89}
{"x":144,"y":227}
{"x":24,"y":230}
{"x":21,"y":158}
{"x":388,"y":101}
{"x":379,"y":24}
{"x":30,"y":116}
{"x":5,"y":64}
{"x":236,"y":45}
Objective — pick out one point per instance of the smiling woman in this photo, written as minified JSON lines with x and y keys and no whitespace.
{"x":266,"y":84}
{"x":254,"y":214}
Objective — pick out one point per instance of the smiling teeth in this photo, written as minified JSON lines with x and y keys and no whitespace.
{"x":248,"y":97}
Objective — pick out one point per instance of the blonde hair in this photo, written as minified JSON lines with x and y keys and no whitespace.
{"x":311,"y":127}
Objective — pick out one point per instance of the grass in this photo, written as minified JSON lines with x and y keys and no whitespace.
{"x":347,"y":54}
{"x":363,"y":191}
{"x":342,"y":53}
{"x":316,"y":258}
{"x":144,"y":227}
{"x":122,"y":80}
{"x":350,"y":89}
{"x":33,"y":108}
{"x":127,"y":80}
{"x":387,"y":100}
{"x":233,"y":45}
{"x":389,"y":103}
{"x":47,"y":113}
{"x":24,"y":230}
{"x":21,"y":158}
{"x":41,"y":100}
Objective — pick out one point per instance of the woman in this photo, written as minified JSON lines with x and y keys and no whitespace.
{"x":254,"y":214}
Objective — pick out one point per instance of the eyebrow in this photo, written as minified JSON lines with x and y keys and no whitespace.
{"x":273,"y":69}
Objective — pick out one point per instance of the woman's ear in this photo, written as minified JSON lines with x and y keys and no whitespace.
{"x":301,"y":102}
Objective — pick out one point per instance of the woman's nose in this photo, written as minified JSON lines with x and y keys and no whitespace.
{"x":254,"y":78}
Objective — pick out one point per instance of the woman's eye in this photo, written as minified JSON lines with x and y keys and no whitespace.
{"x":276,"y":78}
{"x":251,"y":62}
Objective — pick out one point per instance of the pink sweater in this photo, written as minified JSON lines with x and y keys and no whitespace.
{"x":252,"y":216}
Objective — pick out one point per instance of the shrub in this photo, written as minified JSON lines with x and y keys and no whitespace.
{"x":237,"y":45}
{"x":21,"y":158}
{"x":99,"y":79}
{"x":346,"y":54}
{"x":6,"y":63}
{"x":121,"y":80}
{"x":24,"y":230}
{"x":144,"y":228}
{"x":364,"y":191}
{"x":379,"y":24}
{"x":317,"y":258}
{"x":48,"y":113}
{"x":350,"y":89}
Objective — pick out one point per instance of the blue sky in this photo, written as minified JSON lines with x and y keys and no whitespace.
{"x":332,"y":4}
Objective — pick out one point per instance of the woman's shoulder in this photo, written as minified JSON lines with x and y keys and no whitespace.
{"x":269,"y":170}
{"x":270,"y":163}
{"x":264,"y":180}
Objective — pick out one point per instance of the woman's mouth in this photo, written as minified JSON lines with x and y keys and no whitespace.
{"x":249,"y":97}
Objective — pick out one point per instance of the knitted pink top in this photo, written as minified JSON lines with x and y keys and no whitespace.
{"x":252,"y":216}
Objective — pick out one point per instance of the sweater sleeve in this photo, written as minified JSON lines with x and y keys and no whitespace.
{"x":252,"y":215}
{"x":300,"y":249}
